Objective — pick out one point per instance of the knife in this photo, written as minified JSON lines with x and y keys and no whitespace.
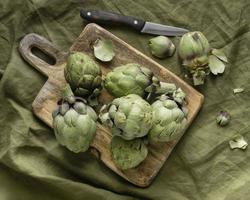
{"x":111,"y":18}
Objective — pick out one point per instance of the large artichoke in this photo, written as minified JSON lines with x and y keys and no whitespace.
{"x":129,"y":116}
{"x":168,"y":120}
{"x":74,"y":123}
{"x":130,"y":79}
{"x":83,"y":75}
{"x":128,"y":154}
{"x":193,"y":50}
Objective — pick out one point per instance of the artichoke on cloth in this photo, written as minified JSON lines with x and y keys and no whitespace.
{"x":83,"y":75}
{"x":74,"y":122}
{"x":168,"y":120}
{"x":131,"y":78}
{"x":161,"y":47}
{"x":199,"y":58}
{"x":129,"y":117}
{"x":128,"y":154}
{"x":193,"y":50}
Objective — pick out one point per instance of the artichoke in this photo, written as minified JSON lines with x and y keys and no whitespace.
{"x":129,"y":117}
{"x":74,"y":122}
{"x":168,"y":120}
{"x":83,"y":75}
{"x":128,"y":154}
{"x":130,"y":79}
{"x":199,"y":58}
{"x":193,"y":50}
{"x":223,"y":118}
{"x":161,"y":47}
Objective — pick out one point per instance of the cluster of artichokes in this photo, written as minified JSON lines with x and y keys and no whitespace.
{"x":196,"y":55}
{"x":135,"y":119}
{"x":74,"y":121}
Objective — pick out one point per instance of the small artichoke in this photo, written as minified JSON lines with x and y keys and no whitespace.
{"x":130,"y":79}
{"x":168,"y":120}
{"x":223,"y":118}
{"x":74,"y":123}
{"x":161,"y":47}
{"x":129,"y":116}
{"x":83,"y":75}
{"x":128,"y":154}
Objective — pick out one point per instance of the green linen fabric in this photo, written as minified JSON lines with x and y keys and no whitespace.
{"x":201,"y":167}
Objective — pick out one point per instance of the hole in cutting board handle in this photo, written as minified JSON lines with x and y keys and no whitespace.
{"x":43,"y":55}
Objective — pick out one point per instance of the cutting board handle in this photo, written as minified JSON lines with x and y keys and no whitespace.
{"x":33,"y":40}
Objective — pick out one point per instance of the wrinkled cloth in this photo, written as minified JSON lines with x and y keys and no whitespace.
{"x":202,"y":166}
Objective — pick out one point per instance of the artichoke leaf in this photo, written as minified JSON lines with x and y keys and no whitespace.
{"x":238,"y":142}
{"x":216,"y":65}
{"x":220,"y":54}
{"x":238,"y":90}
{"x":104,"y":50}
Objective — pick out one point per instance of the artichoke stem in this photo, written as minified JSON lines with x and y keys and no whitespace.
{"x":67,"y":92}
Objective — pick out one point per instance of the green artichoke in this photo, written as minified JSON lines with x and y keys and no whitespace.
{"x":83,"y":75}
{"x":129,"y":116}
{"x":161,"y":47}
{"x":168,"y":120}
{"x":199,"y":58}
{"x":130,"y":79}
{"x":128,"y":154}
{"x":74,"y":123}
{"x":193,"y":50}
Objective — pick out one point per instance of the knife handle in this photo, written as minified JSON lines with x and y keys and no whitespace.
{"x":108,"y":18}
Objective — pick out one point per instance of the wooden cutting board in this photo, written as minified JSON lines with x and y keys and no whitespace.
{"x":48,"y":96}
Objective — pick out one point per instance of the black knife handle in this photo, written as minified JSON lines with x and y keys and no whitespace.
{"x":108,"y":18}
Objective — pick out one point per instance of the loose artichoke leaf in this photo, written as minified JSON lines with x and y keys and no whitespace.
{"x":104,"y":50}
{"x":216,"y":66}
{"x":220,"y":54}
{"x":238,"y":90}
{"x":238,"y":142}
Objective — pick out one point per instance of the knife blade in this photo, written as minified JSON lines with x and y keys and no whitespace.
{"x":111,"y":18}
